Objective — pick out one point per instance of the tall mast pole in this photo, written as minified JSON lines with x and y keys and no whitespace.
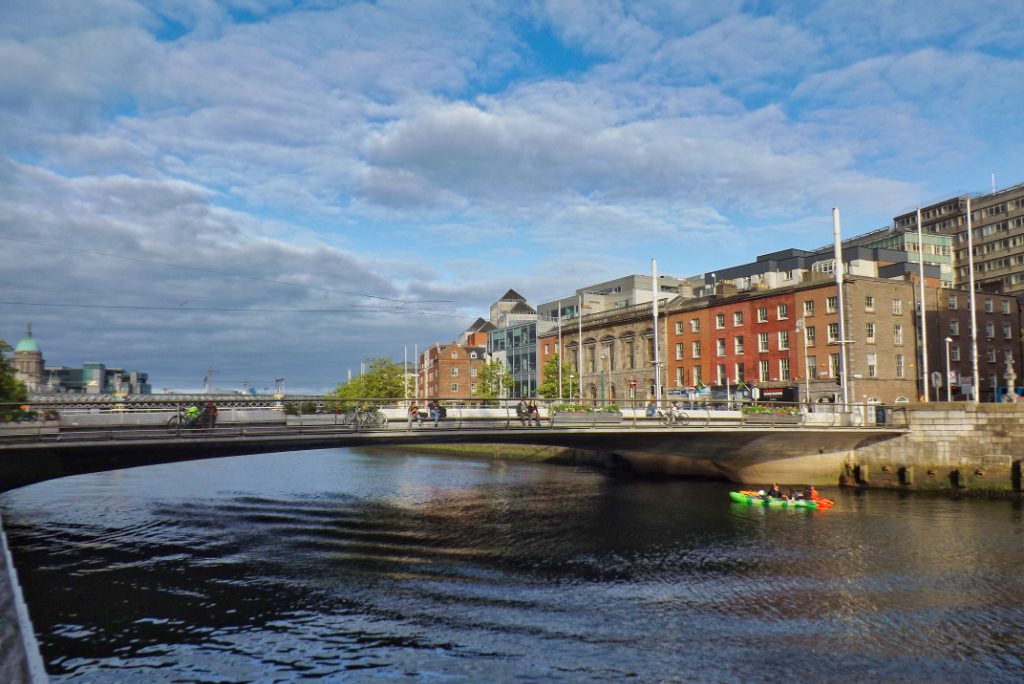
{"x":839,"y":294}
{"x":924,"y":327}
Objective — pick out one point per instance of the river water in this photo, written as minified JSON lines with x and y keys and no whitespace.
{"x":347,"y":566}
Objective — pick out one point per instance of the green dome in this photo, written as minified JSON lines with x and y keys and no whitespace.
{"x":28,"y":343}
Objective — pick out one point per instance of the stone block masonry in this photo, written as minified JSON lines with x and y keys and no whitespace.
{"x":955,"y":447}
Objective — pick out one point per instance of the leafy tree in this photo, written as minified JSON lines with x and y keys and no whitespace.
{"x":12,"y":390}
{"x":570,"y":383}
{"x":383,"y":379}
{"x":493,"y":381}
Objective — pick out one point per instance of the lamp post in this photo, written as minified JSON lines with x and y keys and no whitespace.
{"x":604,"y":356}
{"x":949,"y":384}
{"x":801,"y":326}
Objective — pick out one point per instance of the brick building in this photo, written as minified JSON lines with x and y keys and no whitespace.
{"x":449,"y":371}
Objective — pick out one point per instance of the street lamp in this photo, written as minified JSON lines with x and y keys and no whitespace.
{"x":949,"y":384}
{"x":801,"y":326}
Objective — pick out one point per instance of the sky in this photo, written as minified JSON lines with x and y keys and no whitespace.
{"x":277,"y":188}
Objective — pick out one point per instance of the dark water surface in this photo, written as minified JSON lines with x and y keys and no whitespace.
{"x":347,"y":566}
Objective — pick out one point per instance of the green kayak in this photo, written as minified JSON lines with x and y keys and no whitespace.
{"x":772,"y":502}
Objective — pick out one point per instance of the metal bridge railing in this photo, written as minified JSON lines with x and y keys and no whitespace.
{"x":21,"y":423}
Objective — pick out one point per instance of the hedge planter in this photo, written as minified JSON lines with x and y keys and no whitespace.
{"x":602,"y":418}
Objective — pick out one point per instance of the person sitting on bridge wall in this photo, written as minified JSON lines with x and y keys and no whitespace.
{"x":521,"y":412}
{"x":414,"y":414}
{"x":434,"y":410}
{"x":533,"y":413}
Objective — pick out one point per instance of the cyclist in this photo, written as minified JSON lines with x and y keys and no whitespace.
{"x":192,"y":414}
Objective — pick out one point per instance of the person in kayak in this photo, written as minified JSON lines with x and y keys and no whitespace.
{"x":774,"y":492}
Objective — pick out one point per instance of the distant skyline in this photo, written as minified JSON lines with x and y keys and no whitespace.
{"x":278,"y":188}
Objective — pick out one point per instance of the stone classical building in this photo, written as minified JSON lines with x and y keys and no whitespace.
{"x":28,"y":361}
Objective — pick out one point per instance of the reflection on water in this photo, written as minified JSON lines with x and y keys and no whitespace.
{"x":336,"y":564}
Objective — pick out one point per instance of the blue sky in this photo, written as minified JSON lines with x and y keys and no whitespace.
{"x":277,"y":188}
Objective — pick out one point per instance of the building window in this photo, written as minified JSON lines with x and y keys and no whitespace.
{"x":833,"y":365}
{"x":1006,"y":306}
{"x":812,"y":367}
{"x":694,"y":325}
{"x":991,"y":354}
{"x":719,"y":321}
{"x":737,"y":319}
{"x":833,"y":333}
{"x":762,"y":342}
{"x":954,"y":353}
{"x":737,"y":344}
{"x":872,"y":365}
{"x":869,"y":303}
{"x":720,"y":370}
{"x":897,"y":334}
{"x":738,"y":372}
{"x":990,"y":330}
{"x":679,"y":327}
{"x":897,"y":307}
{"x":697,"y":380}
{"x":952,"y":302}
{"x":988,"y":306}
{"x":782,"y":311}
{"x":809,"y":308}
{"x":720,"y":346}
{"x":472,"y":372}
{"x":679,"y":351}
{"x":1007,"y":332}
{"x":954,"y":328}
{"x":680,"y":376}
{"x":783,"y":340}
{"x":762,"y":314}
{"x":630,"y":354}
{"x":762,"y":371}
{"x":472,"y":388}
{"x":870,"y":332}
{"x":695,"y":349}
{"x":900,"y":372}
{"x":830,"y":304}
{"x":784,"y":370}
{"x":810,"y":335}
{"x":455,"y":354}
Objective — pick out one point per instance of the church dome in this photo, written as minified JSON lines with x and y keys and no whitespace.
{"x":28,"y":343}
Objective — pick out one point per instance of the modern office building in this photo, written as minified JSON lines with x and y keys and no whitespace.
{"x":614,"y":294}
{"x":997,"y":234}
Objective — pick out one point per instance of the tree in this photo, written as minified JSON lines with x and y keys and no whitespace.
{"x":12,"y":390}
{"x":383,"y":379}
{"x":570,"y":383}
{"x":493,"y":381}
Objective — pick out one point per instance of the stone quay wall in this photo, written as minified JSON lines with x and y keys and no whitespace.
{"x":950,"y":447}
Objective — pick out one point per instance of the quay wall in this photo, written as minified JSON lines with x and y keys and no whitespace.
{"x":20,"y":660}
{"x":949,"y":447}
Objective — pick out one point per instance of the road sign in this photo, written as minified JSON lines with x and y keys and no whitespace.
{"x":755,"y":393}
{"x":936,"y":379}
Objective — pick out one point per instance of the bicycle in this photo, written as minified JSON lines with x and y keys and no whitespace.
{"x":372,"y":419}
{"x":183,"y":420}
{"x":673,"y":417}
